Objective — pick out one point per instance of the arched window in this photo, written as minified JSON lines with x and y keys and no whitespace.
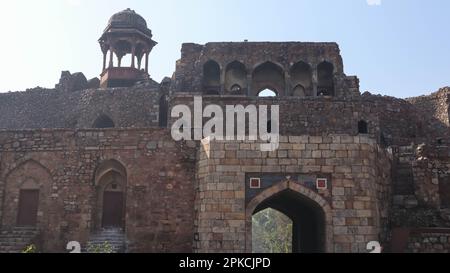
{"x":103,"y":122}
{"x":267,"y":93}
{"x":363,"y":127}
{"x":211,"y":77}
{"x":268,"y":74}
{"x":236,"y":76}
{"x":301,"y":79}
{"x":325,"y":86}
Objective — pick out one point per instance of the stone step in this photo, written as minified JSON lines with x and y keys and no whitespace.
{"x":18,"y":233}
{"x":6,"y":243}
{"x":106,"y":240}
{"x":119,"y":230}
{"x":108,"y":234}
{"x":101,"y":237}
{"x":114,"y":237}
{"x":10,"y":235}
{"x":15,"y":240}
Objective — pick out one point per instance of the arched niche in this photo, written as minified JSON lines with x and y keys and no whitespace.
{"x":211,"y":78}
{"x":27,"y":195}
{"x":236,"y":78}
{"x":301,"y":80}
{"x":270,"y":75}
{"x":103,"y":122}
{"x":325,"y":75}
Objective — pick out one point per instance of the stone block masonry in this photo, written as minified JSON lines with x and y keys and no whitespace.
{"x":351,"y":168}
{"x":354,"y":213}
{"x":67,"y":167}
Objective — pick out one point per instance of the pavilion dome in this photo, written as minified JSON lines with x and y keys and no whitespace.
{"x":128,"y":19}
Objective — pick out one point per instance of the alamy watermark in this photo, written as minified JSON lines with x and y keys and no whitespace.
{"x":229,"y":125}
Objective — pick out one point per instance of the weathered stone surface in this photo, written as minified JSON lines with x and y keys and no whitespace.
{"x":159,"y":199}
{"x":367,"y":163}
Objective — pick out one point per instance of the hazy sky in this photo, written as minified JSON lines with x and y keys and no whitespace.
{"x":396,"y":47}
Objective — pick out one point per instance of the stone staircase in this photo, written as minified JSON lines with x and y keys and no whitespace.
{"x":113,"y":237}
{"x":15,"y":240}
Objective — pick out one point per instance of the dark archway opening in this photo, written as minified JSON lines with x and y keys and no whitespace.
{"x":308,"y":220}
{"x":271,"y":232}
{"x":236,"y":78}
{"x":268,"y":74}
{"x":301,"y":79}
{"x":103,"y":122}
{"x":211,"y":78}
{"x":325,"y":74}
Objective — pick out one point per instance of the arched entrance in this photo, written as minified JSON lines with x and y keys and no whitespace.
{"x":113,"y":206}
{"x":309,"y":212}
{"x":111,"y":195}
{"x":25,"y":203}
{"x":271,"y":232}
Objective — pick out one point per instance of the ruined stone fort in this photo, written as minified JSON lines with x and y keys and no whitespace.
{"x":94,"y":160}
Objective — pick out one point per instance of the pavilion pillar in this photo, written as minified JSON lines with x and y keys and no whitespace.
{"x":146,"y":62}
{"x":111,"y":56}
{"x":133,"y":56}
{"x":104,"y":60}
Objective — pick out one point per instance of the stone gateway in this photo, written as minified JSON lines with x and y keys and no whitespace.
{"x":93,"y":161}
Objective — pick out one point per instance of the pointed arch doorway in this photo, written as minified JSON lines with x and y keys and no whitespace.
{"x":309,"y":212}
{"x":113,"y":207}
{"x":111,"y":183}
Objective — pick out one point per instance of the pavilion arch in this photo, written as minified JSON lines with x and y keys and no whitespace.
{"x":301,"y":80}
{"x":29,"y":183}
{"x":211,"y":78}
{"x":296,"y":202}
{"x":111,"y":187}
{"x":268,"y":74}
{"x":102,"y":122}
{"x":140,"y":52}
{"x":121,"y":48}
{"x":236,"y":78}
{"x":325,"y":79}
